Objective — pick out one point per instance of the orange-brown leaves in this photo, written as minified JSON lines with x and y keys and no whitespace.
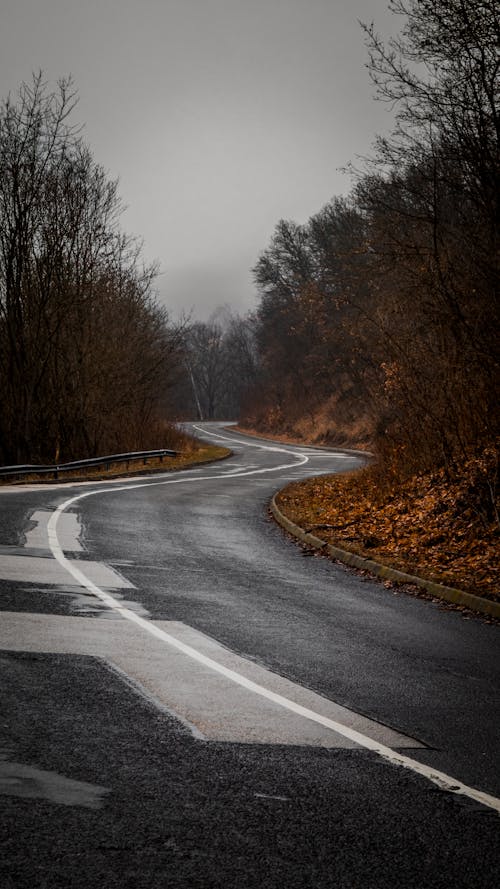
{"x":423,"y":526}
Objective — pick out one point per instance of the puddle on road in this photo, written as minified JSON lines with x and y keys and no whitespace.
{"x":27,"y":782}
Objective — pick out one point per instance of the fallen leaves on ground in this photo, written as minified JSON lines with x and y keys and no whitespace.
{"x":421,"y":527}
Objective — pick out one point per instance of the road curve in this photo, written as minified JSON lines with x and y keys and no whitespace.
{"x":193,"y":700}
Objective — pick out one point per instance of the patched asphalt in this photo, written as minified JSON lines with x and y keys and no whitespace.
{"x":148,"y":804}
{"x":180,"y":812}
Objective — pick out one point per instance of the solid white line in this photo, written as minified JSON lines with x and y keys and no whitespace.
{"x":329,"y":454}
{"x":443,"y":781}
{"x":304,"y":450}
{"x":251,"y":444}
{"x":440,"y":779}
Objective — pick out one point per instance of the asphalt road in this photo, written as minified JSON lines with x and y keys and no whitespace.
{"x":190,"y":699}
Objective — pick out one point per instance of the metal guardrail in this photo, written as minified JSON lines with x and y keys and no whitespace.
{"x":35,"y":469}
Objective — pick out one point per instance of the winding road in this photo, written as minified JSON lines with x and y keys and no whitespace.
{"x":190,"y":699}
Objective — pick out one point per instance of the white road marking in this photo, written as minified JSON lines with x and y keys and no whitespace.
{"x":206,"y":700}
{"x":440,"y":779}
{"x":31,"y":569}
{"x":241,"y":471}
{"x":251,"y":444}
{"x":117,"y":484}
{"x":338,"y":456}
{"x":303,"y":451}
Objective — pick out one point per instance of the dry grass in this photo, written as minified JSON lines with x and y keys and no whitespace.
{"x":330,"y":423}
{"x":304,"y":438}
{"x":199,"y":454}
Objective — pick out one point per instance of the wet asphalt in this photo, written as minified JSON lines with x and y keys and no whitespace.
{"x":100,"y":788}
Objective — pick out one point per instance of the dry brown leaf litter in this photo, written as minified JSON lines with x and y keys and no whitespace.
{"x":424,"y":527}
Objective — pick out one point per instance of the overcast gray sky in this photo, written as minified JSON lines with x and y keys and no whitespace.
{"x":220,"y":117}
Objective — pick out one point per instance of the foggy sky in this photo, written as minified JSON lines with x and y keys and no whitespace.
{"x":219,"y":117}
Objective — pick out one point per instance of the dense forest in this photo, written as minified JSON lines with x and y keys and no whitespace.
{"x":377,"y":322}
{"x":378,"y":319}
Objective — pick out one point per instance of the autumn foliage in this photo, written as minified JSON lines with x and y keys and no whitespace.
{"x":425,"y":525}
{"x":379,"y":320}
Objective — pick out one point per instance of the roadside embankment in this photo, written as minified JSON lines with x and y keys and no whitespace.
{"x":352,"y":442}
{"x":420,"y":533}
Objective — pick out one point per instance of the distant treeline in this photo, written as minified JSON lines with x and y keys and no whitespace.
{"x":381,"y":315}
{"x":378,"y":320}
{"x":87,"y":356}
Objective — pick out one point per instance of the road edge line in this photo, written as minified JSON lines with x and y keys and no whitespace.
{"x":440,"y":779}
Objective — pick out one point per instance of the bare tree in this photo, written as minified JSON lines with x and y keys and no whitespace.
{"x":388,"y":300}
{"x":86,"y":353}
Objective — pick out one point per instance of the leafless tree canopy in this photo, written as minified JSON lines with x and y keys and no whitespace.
{"x":86,"y":354}
{"x":220,"y":364}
